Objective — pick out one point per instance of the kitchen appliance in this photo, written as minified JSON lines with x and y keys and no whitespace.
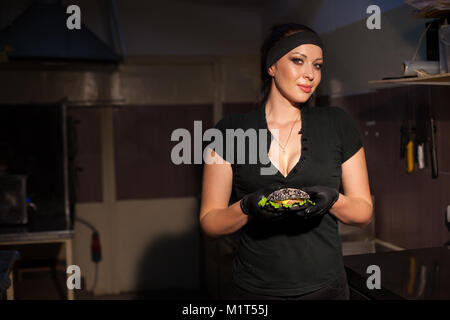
{"x":40,"y":32}
{"x":13,"y":200}
{"x":34,"y":145}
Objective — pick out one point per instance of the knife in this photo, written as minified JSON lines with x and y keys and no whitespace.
{"x":421,"y":136}
{"x":422,"y":281}
{"x":434,"y":164}
{"x":432,"y":139}
{"x":410,"y":151}
{"x":412,"y":276}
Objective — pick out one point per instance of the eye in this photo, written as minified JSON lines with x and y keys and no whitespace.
{"x":296,"y":60}
{"x":318,"y":66}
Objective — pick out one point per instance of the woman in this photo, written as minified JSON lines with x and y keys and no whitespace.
{"x":297,"y":255}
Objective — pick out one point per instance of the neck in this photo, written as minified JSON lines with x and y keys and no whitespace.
{"x":280,"y":110}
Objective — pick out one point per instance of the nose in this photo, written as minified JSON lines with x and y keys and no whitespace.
{"x":308,"y":72}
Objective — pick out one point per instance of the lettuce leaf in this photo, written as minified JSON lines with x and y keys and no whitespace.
{"x":274,"y":204}
{"x":263,"y":203}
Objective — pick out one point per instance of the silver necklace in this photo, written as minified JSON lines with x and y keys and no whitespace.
{"x":283,"y":148}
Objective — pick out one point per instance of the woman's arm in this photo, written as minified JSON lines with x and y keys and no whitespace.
{"x":354,"y":207}
{"x":216,"y":217}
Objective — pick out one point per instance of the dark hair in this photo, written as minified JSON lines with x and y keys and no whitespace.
{"x":275,"y":33}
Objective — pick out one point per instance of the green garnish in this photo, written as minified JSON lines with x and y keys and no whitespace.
{"x":262,"y":202}
{"x":274,"y":204}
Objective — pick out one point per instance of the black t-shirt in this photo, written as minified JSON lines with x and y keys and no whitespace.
{"x":291,"y":257}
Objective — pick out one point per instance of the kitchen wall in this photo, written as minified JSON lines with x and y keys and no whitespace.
{"x":409,"y":207}
{"x":182,"y":56}
{"x":170,"y":27}
{"x":123,"y":185}
{"x":212,"y":62}
{"x":353,"y":56}
{"x":323,"y":15}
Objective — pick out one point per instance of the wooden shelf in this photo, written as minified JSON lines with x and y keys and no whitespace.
{"x":438,"y":79}
{"x":429,"y":13}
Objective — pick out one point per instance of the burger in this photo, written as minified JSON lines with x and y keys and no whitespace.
{"x":286,"y":199}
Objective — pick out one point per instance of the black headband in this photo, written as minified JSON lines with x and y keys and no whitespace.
{"x":288,"y":43}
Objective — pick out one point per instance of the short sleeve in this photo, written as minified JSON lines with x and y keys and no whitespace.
{"x":349,"y":133}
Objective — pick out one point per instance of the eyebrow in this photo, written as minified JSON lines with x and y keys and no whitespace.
{"x":306,"y":56}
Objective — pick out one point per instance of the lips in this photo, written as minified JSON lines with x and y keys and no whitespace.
{"x":306,"y":89}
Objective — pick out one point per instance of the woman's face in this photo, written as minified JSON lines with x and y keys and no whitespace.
{"x":298,"y":73}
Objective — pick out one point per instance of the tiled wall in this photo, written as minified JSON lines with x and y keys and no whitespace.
{"x":143,"y":147}
{"x":86,"y":143}
{"x":409,"y":208}
{"x":229,"y":108}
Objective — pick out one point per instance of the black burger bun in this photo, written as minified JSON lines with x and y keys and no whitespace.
{"x":296,"y":199}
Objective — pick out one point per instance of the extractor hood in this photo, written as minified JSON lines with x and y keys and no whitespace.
{"x":40,"y":32}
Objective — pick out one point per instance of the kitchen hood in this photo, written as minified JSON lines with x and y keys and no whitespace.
{"x":40,"y":32}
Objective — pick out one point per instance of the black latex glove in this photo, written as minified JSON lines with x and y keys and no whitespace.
{"x":324,"y":197}
{"x":249,"y":204}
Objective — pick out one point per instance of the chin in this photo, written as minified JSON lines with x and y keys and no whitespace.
{"x":303,"y":99}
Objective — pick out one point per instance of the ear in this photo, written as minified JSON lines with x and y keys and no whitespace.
{"x":271,"y":70}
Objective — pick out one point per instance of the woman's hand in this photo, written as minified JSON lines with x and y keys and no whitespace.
{"x":324,"y":197}
{"x":250,"y":207}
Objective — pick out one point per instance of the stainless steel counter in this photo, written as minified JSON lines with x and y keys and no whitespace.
{"x":418,"y":274}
